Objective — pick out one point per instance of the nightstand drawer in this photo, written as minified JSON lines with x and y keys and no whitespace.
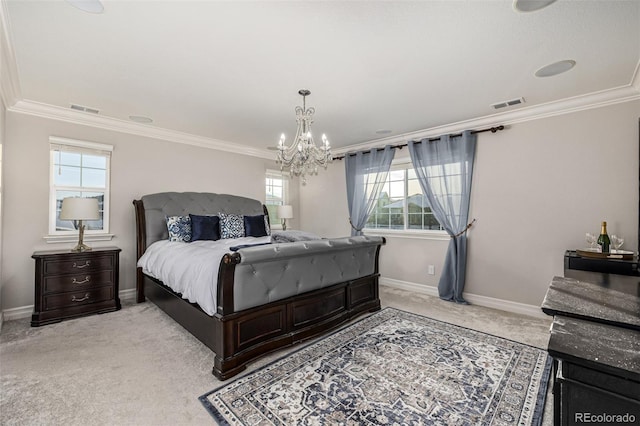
{"x":79,"y":281}
{"x":78,"y":298}
{"x":80,"y":265}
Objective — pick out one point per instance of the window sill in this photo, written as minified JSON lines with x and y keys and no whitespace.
{"x":420,"y":235}
{"x":55,"y":239}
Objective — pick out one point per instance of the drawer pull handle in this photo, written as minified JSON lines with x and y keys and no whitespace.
{"x":86,"y":296}
{"x":86,"y":263}
{"x":86,"y":280}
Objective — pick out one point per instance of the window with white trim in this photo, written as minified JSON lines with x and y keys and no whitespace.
{"x":277,"y":194}
{"x":78,"y":169}
{"x":401,"y":205}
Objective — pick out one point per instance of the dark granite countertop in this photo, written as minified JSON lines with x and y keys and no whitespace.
{"x":578,"y":299}
{"x":611,"y":348}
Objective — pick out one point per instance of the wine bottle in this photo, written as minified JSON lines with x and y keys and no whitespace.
{"x":603,"y":239}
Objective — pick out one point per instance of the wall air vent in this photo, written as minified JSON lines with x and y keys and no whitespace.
{"x":505,"y":104}
{"x":84,"y":109}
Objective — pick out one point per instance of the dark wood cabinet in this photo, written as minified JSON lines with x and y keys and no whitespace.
{"x":575,"y":262}
{"x":70,"y":285}
{"x":595,"y":344}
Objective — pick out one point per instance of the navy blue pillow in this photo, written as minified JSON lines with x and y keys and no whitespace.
{"x":255,"y":226}
{"x":205,"y":227}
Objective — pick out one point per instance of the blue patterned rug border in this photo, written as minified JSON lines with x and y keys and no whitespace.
{"x":537,"y":415}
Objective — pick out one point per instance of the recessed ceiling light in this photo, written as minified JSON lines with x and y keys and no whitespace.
{"x":90,"y":6}
{"x":383,"y":131}
{"x":555,"y":68}
{"x":530,"y":5}
{"x":140,"y":119}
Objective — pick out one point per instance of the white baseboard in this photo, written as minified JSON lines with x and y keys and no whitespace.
{"x":26,"y":311}
{"x":17,"y":313}
{"x":128,"y":294}
{"x":476,"y":299}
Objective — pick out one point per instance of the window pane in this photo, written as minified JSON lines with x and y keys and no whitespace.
{"x":94,"y":178}
{"x":415,"y":221}
{"x":413,"y":187}
{"x":430,"y":222}
{"x":272,"y":209}
{"x":70,"y":158}
{"x":397,"y":221}
{"x":396,"y":189}
{"x":94,"y":161}
{"x":67,"y":176}
{"x":396,"y":175}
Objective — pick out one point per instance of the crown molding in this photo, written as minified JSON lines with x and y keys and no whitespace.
{"x":9,"y":82}
{"x":107,"y":123}
{"x":599,"y":99}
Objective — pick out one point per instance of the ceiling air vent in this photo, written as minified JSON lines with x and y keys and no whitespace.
{"x":84,"y":109}
{"x":505,"y":104}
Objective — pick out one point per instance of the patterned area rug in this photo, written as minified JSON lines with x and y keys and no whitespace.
{"x":392,"y":368}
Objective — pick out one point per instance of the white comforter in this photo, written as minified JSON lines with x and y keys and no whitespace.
{"x":191,"y":269}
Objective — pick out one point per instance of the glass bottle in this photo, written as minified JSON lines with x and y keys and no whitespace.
{"x":603,"y":239}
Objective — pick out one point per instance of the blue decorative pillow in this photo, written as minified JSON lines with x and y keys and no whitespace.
{"x":231,"y":225}
{"x":179,"y":228}
{"x":205,"y":227}
{"x":255,"y":226}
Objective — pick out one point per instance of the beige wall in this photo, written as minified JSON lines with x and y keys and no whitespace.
{"x":139,"y":166}
{"x":537,"y":188}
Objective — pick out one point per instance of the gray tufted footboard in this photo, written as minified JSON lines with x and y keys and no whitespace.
{"x":274,"y":272}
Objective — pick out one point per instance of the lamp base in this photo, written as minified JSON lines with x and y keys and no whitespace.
{"x":284,"y":224}
{"x":80,"y":248}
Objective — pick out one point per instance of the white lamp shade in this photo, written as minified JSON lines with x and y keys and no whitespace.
{"x":285,"y":212}
{"x":76,"y":208}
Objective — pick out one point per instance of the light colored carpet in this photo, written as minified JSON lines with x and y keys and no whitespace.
{"x":137,"y":366}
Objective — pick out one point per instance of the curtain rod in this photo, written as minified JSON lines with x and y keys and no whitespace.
{"x":400,"y":146}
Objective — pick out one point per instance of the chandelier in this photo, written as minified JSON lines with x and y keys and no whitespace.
{"x":303,"y":157}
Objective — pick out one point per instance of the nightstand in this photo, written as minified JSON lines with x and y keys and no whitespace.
{"x":70,"y":285}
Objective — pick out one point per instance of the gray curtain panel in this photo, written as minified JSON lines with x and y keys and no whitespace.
{"x":444,"y":168}
{"x":365,"y":169}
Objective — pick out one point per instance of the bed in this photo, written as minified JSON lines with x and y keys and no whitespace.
{"x":268,"y":296}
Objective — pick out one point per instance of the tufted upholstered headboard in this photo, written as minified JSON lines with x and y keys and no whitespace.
{"x":158,"y":206}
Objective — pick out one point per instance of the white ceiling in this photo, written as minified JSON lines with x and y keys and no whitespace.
{"x":230,"y":71}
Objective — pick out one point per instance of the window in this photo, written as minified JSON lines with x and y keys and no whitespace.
{"x":78,"y":169}
{"x":401,"y":204}
{"x":277,"y":194}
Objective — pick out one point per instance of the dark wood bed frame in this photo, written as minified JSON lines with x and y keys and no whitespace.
{"x":240,"y":337}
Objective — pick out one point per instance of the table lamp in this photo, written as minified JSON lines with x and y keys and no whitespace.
{"x":284,"y":213}
{"x":76,"y":208}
